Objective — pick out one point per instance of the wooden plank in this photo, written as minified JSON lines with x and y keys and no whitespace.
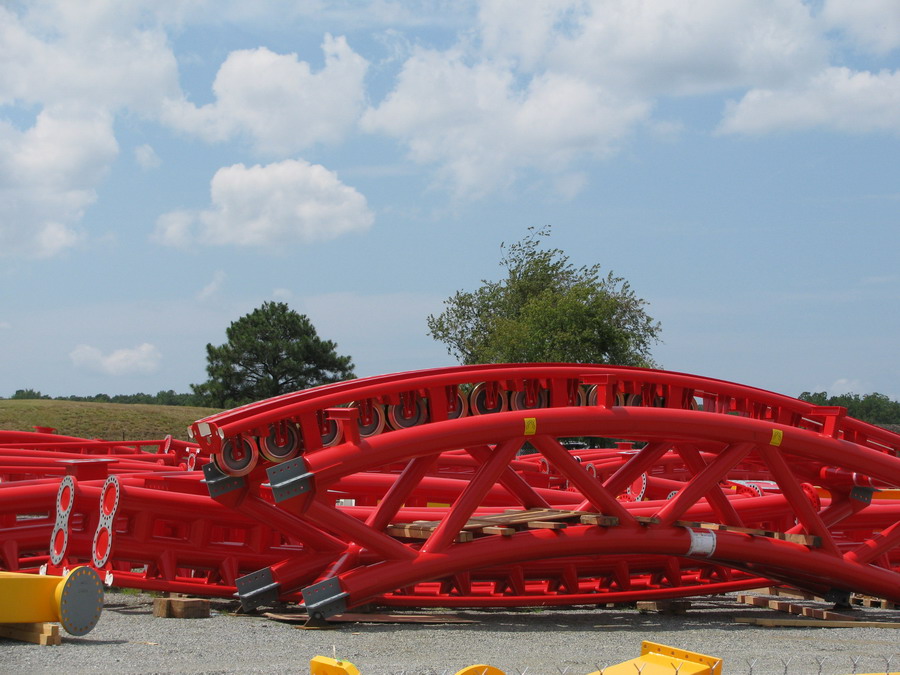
{"x":545,"y":525}
{"x":497,"y":529}
{"x":790,"y":608}
{"x":181,"y":608}
{"x":419,"y":531}
{"x":36,"y":633}
{"x":804,"y":539}
{"x":599,"y":519}
{"x":781,"y":591}
{"x":816,"y":623}
{"x":869,"y":601}
{"x":506,"y":524}
{"x":647,"y":520}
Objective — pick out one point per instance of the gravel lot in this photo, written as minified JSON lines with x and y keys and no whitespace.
{"x":128,"y":639}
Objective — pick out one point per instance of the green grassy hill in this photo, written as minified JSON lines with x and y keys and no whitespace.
{"x":109,"y":421}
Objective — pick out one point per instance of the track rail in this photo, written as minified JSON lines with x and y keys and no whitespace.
{"x":472,"y":486}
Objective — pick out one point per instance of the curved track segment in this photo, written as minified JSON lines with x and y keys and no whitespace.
{"x":712,"y":485}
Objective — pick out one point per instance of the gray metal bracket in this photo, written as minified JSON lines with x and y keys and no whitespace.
{"x":862,"y":494}
{"x":324,"y":599}
{"x":289,"y":479}
{"x":219,"y":483}
{"x":256,"y":589}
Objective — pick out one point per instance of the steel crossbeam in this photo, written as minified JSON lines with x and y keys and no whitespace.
{"x":473,"y":486}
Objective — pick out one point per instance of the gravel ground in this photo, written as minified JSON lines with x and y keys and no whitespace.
{"x":128,"y":639}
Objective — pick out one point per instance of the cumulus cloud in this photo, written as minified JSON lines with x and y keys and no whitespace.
{"x":48,"y":176}
{"x":75,"y":65}
{"x":837,"y":98}
{"x":539,"y":85}
{"x":475,"y":122}
{"x":277,"y":204}
{"x":143,"y":359}
{"x":656,"y":47}
{"x":277,"y":101}
{"x":212,"y":287}
{"x":872,"y":26}
{"x":146,"y":157}
{"x":102,"y":54}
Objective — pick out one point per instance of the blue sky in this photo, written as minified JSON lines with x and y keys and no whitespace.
{"x":166,"y":167}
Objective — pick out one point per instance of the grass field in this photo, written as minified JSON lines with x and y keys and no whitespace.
{"x":109,"y":421}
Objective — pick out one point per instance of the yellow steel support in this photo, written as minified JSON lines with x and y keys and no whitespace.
{"x":657,"y":659}
{"x":480,"y":670}
{"x":74,"y":600}
{"x":322,"y":665}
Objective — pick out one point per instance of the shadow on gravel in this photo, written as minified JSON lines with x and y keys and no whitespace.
{"x":130,"y":609}
{"x":88,"y":642}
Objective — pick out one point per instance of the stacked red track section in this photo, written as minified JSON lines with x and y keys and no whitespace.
{"x":478,"y":486}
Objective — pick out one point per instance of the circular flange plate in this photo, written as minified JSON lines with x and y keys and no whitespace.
{"x":81,"y":601}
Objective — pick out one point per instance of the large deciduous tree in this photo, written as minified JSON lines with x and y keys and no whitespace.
{"x":272,"y":350}
{"x":547,"y":310}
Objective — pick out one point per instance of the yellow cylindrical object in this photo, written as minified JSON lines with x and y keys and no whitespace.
{"x":480,"y":669}
{"x":322,"y":665}
{"x":75,"y":600}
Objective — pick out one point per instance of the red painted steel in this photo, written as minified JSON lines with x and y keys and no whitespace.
{"x":473,"y":486}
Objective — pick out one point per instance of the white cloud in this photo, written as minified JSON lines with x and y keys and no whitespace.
{"x":278,"y":101}
{"x":277,"y":204}
{"x":654,"y":47}
{"x":539,"y":85}
{"x":480,"y":128}
{"x":48,"y":176}
{"x":143,"y":359}
{"x":873,"y":25}
{"x":102,"y":54}
{"x":837,"y":98}
{"x":212,"y":287}
{"x":146,"y":157}
{"x":75,"y":65}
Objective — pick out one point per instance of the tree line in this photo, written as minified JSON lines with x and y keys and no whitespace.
{"x":543,"y":309}
{"x":169,"y":397}
{"x":874,"y":408}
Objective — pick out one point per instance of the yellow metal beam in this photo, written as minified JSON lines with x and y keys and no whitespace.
{"x":75,"y":600}
{"x":657,"y":659}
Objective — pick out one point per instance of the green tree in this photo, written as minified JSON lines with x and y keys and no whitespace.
{"x":546,"y":310}
{"x":271,"y":351}
{"x":874,"y":408}
{"x":27,"y":394}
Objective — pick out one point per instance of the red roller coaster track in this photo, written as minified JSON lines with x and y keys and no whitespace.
{"x":461,"y":487}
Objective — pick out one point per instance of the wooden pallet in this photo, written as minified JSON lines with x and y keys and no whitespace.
{"x":791,"y":608}
{"x":37,"y":633}
{"x":505,"y":524}
{"x":785,"y":592}
{"x":877,"y":603}
{"x":181,"y":608}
